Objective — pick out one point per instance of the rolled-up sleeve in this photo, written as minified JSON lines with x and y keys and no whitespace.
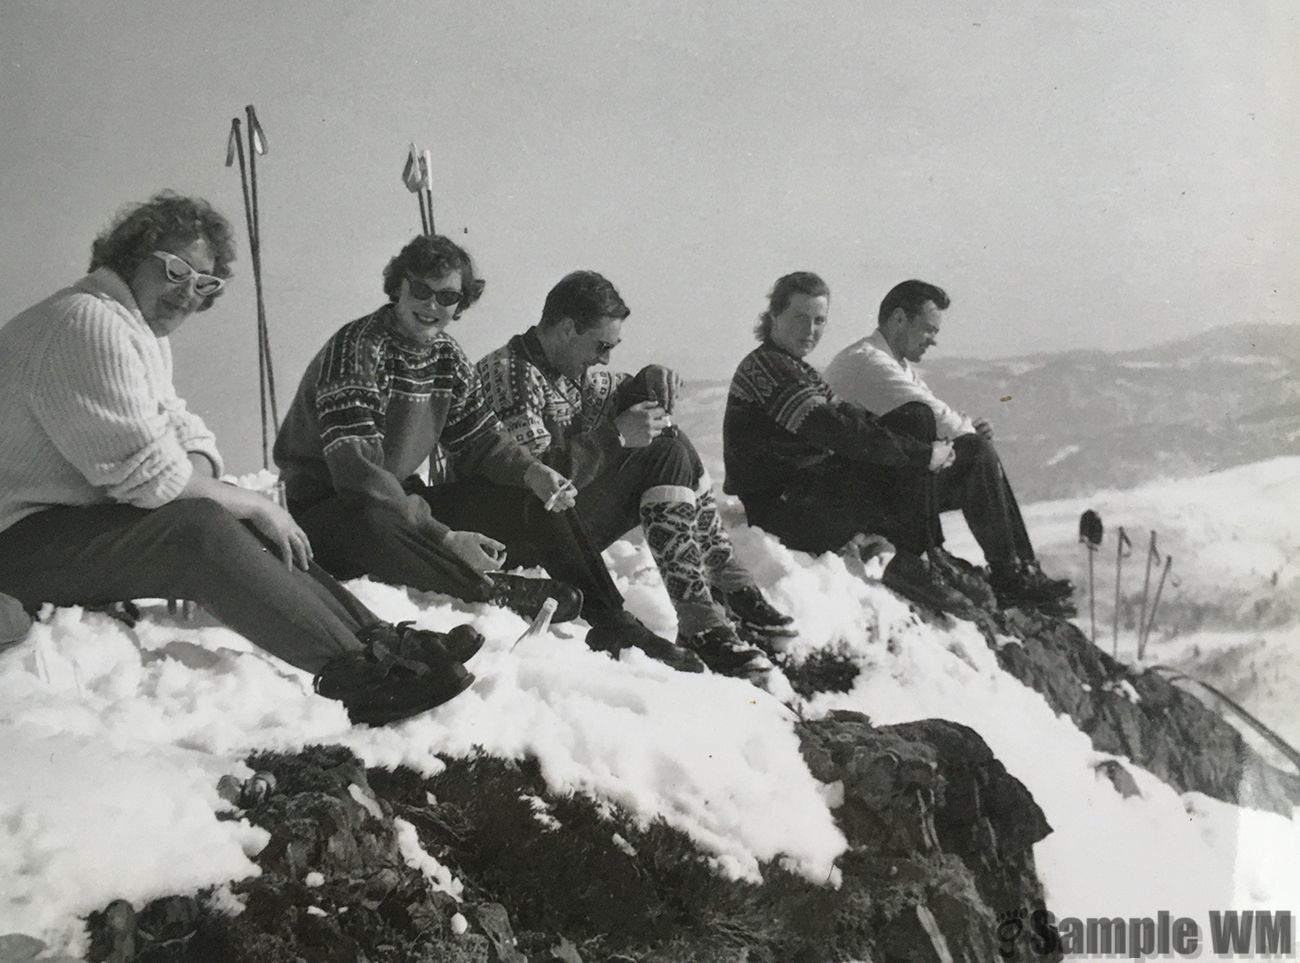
{"x":93,"y":400}
{"x":194,"y":436}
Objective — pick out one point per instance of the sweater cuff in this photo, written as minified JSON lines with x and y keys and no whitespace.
{"x":435,"y":530}
{"x":156,"y":490}
{"x":212,"y":457}
{"x":941,"y":455}
{"x":195,"y":439}
{"x":419,"y":513}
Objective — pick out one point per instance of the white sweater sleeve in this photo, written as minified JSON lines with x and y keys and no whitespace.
{"x":98,"y":400}
{"x":868,"y":377}
{"x":949,"y":422}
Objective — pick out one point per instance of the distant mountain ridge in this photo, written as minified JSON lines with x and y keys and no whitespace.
{"x":1075,"y":422}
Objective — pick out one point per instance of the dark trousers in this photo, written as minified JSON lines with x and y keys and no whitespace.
{"x":607,"y":509}
{"x":558,"y":541}
{"x":611,"y":503}
{"x":977,"y":484}
{"x":191,"y":549}
{"x":351,"y":537}
{"x":839,"y":498}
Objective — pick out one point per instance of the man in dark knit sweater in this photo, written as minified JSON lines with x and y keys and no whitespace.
{"x":612,"y":434}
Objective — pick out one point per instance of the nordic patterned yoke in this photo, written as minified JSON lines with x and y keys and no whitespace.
{"x":782,"y":420}
{"x":372,"y":406}
{"x":568,"y":426}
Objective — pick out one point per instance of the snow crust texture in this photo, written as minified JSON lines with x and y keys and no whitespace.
{"x":113,"y":739}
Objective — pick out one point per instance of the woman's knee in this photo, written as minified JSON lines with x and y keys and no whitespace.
{"x":915,"y":418}
{"x":347,"y":523}
{"x":375,"y":519}
{"x":196,"y":519}
{"x":199,"y":530}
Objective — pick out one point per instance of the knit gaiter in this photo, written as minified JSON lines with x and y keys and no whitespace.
{"x":668,"y":519}
{"x":721,"y":567}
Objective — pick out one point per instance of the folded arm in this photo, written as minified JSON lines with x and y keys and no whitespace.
{"x":880,"y":384}
{"x":350,"y":416}
{"x":794,"y":396}
{"x":478,"y":441}
{"x":855,"y":433}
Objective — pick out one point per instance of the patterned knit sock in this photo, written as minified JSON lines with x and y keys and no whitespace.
{"x":667,"y":518}
{"x":721,"y":567}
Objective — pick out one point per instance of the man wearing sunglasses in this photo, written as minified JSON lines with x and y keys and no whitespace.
{"x":393,"y":390}
{"x":613,"y":435}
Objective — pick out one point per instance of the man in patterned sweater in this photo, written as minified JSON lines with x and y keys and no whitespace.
{"x":378,"y":400}
{"x":612,"y":435}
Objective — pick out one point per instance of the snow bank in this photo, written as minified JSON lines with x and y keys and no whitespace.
{"x":1230,"y":532}
{"x":129,"y":730}
{"x":112,"y":741}
{"x":1230,"y":613}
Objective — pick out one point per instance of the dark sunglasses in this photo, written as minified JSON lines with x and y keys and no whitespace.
{"x":180,"y":270}
{"x":446,"y":297}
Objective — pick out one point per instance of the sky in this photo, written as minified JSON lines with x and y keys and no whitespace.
{"x":1083,"y":175}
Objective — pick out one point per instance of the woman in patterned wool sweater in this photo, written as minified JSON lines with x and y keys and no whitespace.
{"x":613,"y":435}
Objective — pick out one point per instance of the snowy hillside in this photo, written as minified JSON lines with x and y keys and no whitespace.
{"x":1230,"y":613}
{"x":113,"y":739}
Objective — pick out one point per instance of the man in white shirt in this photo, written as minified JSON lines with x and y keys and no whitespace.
{"x":876,"y":372}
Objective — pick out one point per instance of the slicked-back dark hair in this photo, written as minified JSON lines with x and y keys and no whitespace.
{"x":431,"y":257}
{"x":137,"y":232}
{"x":911,"y":297}
{"x":586,"y":297}
{"x":785,"y":288}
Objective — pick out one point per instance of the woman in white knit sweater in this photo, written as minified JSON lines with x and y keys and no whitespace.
{"x":109,"y":486}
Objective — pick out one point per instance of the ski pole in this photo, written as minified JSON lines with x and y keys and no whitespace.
{"x":235,"y":148}
{"x":248,"y":187}
{"x":1146,"y":635}
{"x":426,"y":181}
{"x":1122,"y":543}
{"x":411,"y":178}
{"x":256,"y":146}
{"x":1090,"y":533}
{"x":1152,"y":552}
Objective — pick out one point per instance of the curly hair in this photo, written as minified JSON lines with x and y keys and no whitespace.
{"x":429,"y":257}
{"x":585,"y":297}
{"x":138,"y":230}
{"x":786,"y":287}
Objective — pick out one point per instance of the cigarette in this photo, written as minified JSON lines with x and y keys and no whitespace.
{"x":568,"y":486}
